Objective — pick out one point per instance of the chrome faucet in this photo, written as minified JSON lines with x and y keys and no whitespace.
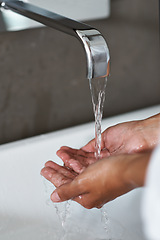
{"x":96,"y":49}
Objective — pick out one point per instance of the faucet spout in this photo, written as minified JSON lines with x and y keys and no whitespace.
{"x":96,"y":49}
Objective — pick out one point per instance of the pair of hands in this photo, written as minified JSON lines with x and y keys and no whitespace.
{"x":125,"y":154}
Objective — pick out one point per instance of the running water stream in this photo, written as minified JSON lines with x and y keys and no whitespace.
{"x":97,"y":87}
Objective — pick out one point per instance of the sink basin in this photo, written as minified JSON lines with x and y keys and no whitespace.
{"x":26,"y":211}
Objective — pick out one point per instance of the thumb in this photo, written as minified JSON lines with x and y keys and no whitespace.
{"x":66,"y":192}
{"x":89,"y":147}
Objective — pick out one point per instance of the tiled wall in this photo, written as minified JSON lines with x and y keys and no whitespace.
{"x":42,"y":72}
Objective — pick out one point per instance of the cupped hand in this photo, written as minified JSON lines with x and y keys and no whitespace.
{"x":79,"y":159}
{"x":128,"y":137}
{"x":99,"y":183}
{"x":56,"y":174}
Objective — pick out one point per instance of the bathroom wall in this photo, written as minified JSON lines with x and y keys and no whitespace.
{"x":42,"y":72}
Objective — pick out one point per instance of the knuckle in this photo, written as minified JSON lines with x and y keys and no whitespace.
{"x":89,"y":206}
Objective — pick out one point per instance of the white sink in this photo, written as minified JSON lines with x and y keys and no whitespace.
{"x":25,"y":209}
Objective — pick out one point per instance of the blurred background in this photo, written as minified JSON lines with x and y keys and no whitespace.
{"x":43,"y":85}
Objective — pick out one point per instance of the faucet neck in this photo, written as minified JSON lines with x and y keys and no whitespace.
{"x":95,"y":46}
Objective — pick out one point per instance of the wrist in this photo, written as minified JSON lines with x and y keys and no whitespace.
{"x":151,"y":130}
{"x":136,"y":168}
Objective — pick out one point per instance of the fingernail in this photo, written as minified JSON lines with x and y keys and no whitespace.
{"x":55,"y":197}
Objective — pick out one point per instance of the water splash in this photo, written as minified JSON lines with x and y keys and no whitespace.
{"x":62,"y":209}
{"x":63,"y":212}
{"x":106,"y":223}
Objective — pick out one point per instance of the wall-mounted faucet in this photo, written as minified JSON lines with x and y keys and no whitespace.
{"x":95,"y":46}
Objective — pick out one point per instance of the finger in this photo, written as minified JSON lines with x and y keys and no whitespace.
{"x":61,"y":169}
{"x":65,"y":147}
{"x":82,"y":160}
{"x":89,"y":158}
{"x":104,"y":153}
{"x":67,"y":191}
{"x":78,"y":152}
{"x":75,"y":152}
{"x":63,"y":154}
{"x":75,"y":162}
{"x":55,"y":177}
{"x":79,"y":167}
{"x":83,"y":153}
{"x":76,"y":166}
{"x":66,"y":156}
{"x":90,"y":147}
